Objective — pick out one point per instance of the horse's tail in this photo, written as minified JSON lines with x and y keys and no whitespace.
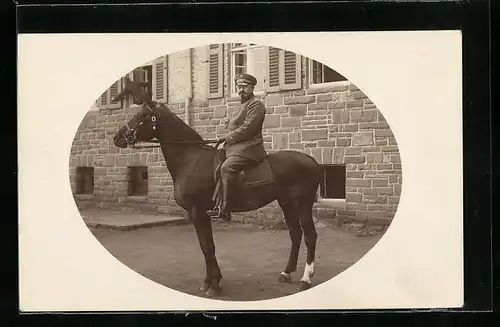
{"x":318,"y":166}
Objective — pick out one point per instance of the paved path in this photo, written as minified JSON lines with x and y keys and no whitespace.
{"x":115,"y":220}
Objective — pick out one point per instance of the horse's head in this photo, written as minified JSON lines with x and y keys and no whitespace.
{"x":141,"y":128}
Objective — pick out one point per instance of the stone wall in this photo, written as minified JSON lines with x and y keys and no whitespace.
{"x":335,"y":125}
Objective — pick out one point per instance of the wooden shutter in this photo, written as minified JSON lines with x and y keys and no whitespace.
{"x":291,"y":76}
{"x":112,"y":91}
{"x":215,"y":74}
{"x":160,"y":79}
{"x":284,"y":70}
{"x":273,"y":80}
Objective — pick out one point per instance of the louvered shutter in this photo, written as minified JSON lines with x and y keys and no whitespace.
{"x":112,"y":91}
{"x":291,"y":76}
{"x":284,"y":70}
{"x":160,"y":79}
{"x":273,"y":80}
{"x":103,"y":100}
{"x":215,"y":75}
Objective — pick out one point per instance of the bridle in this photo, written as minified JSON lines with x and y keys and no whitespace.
{"x":130,"y":133}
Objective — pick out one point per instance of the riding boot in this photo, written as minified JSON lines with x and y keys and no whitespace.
{"x":226,"y":197}
{"x":222,"y":211}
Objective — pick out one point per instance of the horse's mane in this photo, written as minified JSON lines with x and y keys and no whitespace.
{"x":181,"y":129}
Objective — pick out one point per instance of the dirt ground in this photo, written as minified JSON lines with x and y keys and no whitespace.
{"x":250,"y":257}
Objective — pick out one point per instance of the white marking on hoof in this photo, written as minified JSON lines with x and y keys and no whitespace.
{"x":285,"y":274}
{"x":308,"y":273}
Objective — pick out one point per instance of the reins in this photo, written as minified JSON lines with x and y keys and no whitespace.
{"x":172,"y":142}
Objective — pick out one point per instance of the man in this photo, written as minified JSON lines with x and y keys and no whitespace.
{"x":244,"y":144}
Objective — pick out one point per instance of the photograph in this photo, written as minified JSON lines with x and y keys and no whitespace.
{"x":236,"y":171}
{"x":230,"y":172}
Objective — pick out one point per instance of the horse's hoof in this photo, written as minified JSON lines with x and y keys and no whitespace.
{"x":213,"y":291}
{"x":205,"y":287}
{"x":304,"y":286}
{"x":285,"y":278}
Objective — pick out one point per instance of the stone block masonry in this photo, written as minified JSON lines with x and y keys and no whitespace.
{"x":336,"y":125}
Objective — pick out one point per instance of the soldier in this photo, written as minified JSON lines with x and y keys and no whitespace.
{"x":244,"y":144}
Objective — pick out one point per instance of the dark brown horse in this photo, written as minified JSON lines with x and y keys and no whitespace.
{"x":290,"y":177}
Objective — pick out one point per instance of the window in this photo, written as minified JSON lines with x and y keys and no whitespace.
{"x":250,"y":59}
{"x":84,"y":180}
{"x":153,"y":74}
{"x":275,"y":69}
{"x":319,"y":74}
{"x":143,"y":75}
{"x":333,"y":184}
{"x":138,"y":181}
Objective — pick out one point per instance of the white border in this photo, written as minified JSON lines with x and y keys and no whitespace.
{"x":418,"y":262}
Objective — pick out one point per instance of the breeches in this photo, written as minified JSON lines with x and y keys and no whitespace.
{"x":232,"y":166}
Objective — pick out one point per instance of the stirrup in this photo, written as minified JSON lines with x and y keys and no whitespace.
{"x":215,"y":212}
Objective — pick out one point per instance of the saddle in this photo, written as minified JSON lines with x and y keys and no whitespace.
{"x":252,"y":176}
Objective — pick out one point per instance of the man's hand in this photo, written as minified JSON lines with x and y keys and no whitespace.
{"x":220,"y":140}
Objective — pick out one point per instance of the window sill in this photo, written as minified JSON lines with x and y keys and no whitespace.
{"x":328,"y":84}
{"x":333,"y":203}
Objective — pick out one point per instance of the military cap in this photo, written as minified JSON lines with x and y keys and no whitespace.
{"x":245,"y":78}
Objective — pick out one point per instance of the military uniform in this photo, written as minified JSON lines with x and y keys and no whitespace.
{"x":244,"y":144}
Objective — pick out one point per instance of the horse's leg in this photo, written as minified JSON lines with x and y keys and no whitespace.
{"x":203,"y":227}
{"x":310,"y":237}
{"x":208,"y":270}
{"x":292,"y":221}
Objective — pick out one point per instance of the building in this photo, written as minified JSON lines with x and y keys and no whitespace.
{"x":310,"y":108}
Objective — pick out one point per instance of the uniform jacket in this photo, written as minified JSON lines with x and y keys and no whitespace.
{"x":244,"y":127}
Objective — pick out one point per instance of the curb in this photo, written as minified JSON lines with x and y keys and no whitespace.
{"x":177,"y":221}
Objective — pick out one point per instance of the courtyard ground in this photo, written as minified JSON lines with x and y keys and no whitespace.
{"x":250,"y":257}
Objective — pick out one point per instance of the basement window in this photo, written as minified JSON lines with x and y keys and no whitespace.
{"x":138,"y":181}
{"x":333,"y":183}
{"x":84,"y":180}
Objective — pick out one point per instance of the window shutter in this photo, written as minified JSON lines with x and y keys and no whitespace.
{"x":273,"y":80}
{"x":112,"y":91}
{"x":160,"y":79}
{"x":292,"y":71}
{"x":103,"y":100}
{"x":284,"y":70}
{"x":216,"y":75}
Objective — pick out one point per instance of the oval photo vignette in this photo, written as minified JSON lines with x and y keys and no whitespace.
{"x":126,"y":196}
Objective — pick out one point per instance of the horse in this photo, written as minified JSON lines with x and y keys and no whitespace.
{"x":289,"y":177}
